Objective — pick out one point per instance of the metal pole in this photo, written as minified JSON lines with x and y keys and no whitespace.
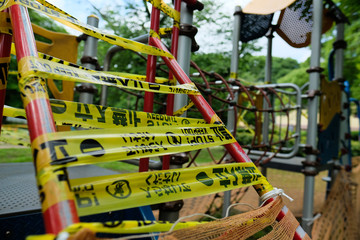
{"x":184,"y":54}
{"x":345,"y":109}
{"x":87,"y":90}
{"x":268,"y":62}
{"x":313,"y":104}
{"x":62,"y":213}
{"x":150,"y":77}
{"x":268,"y":80}
{"x":234,"y":66}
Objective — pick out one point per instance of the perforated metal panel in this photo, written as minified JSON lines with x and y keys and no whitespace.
{"x":295,"y":24}
{"x":254,"y":26}
{"x":18,"y":192}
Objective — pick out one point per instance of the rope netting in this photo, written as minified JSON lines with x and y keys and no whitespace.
{"x":340,"y":214}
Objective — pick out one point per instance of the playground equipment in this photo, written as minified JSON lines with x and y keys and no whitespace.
{"x":52,"y":152}
{"x":52,"y":171}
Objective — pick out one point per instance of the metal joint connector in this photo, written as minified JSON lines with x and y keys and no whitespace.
{"x":87,"y":89}
{"x":82,"y":37}
{"x":194,"y":5}
{"x":313,"y":93}
{"x":91,"y":60}
{"x":310,"y":172}
{"x":179,"y":159}
{"x":340,"y":44}
{"x":190,"y":31}
{"x":314,"y":69}
{"x":172,"y":206}
{"x":309,"y":150}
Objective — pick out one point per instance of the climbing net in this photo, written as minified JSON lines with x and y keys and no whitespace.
{"x":119,"y":134}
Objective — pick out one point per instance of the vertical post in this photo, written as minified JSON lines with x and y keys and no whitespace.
{"x":313,"y":104}
{"x":150,"y":77}
{"x":345,"y":158}
{"x":268,"y":80}
{"x":268,"y":62}
{"x":87,"y":90}
{"x":170,"y":211}
{"x":62,"y":213}
{"x":234,"y":66}
{"x":184,"y":54}
{"x":5,"y":46}
{"x":170,"y":97}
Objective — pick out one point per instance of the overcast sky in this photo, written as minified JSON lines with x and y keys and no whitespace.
{"x":82,"y":8}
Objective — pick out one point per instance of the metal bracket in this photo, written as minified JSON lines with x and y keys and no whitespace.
{"x":91,"y":60}
{"x":82,"y":37}
{"x":190,"y":31}
{"x":309,"y":150}
{"x":86,"y":88}
{"x":179,"y":159}
{"x":194,"y":5}
{"x":314,"y":69}
{"x":340,"y":44}
{"x":172,"y":206}
{"x":340,"y":80}
{"x":313,"y":93}
{"x":308,"y":172}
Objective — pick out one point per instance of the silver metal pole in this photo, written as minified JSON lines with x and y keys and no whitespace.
{"x":184,"y":54}
{"x":87,"y":90}
{"x":234,"y":66}
{"x":180,"y":100}
{"x":313,"y":103}
{"x":268,"y":62}
{"x":338,"y":74}
{"x":268,"y":80}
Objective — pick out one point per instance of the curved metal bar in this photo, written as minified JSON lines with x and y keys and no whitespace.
{"x":108,"y":57}
{"x":298,"y":120}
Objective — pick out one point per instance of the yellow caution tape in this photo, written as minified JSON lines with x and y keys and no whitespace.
{"x":169,"y":11}
{"x":120,"y":227}
{"x":233,"y":75}
{"x":129,"y":226}
{"x":109,"y":193}
{"x":105,"y":145}
{"x":15,"y":136}
{"x":95,"y":116}
{"x":180,"y":111}
{"x":87,"y":29}
{"x":120,"y":74}
{"x":31,"y":67}
{"x":165,"y":31}
{"x":137,"y":77}
{"x":4,"y":68}
{"x":51,"y":6}
{"x":47,"y":236}
{"x":5,"y":23}
{"x":13,"y":112}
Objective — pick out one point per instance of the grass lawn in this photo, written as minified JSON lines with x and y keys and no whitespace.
{"x":18,"y":154}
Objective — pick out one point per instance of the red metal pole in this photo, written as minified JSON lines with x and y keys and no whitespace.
{"x":210,"y":116}
{"x":62,"y":213}
{"x":5,"y":47}
{"x":150,"y":77}
{"x":170,"y":97}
